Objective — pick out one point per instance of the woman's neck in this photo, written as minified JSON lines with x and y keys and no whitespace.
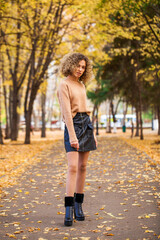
{"x":73,"y":78}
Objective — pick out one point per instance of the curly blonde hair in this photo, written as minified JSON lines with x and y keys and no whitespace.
{"x":71,"y":60}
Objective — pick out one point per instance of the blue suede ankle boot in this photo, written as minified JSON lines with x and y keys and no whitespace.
{"x":69,"y":203}
{"x":78,"y":212}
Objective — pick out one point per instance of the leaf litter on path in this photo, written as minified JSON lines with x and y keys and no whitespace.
{"x":119,"y":188}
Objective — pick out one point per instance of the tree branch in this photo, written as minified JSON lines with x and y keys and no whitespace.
{"x":150,"y":26}
{"x":23,"y":74}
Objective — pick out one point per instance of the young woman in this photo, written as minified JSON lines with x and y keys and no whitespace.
{"x":79,"y":138}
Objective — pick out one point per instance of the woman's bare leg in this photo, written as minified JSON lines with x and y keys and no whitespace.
{"x":72,"y":158}
{"x":81,"y":173}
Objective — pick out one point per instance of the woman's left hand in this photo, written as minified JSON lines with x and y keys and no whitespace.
{"x":75,"y":145}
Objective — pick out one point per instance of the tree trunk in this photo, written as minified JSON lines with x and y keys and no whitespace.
{"x":29,"y":97}
{"x":114,"y":117}
{"x":10,"y":108}
{"x":139,"y":87}
{"x":109,"y":122}
{"x":43,"y":101}
{"x":28,"y":127}
{"x":152,"y":126}
{"x":14,"y":127}
{"x":141,"y":123}
{"x":7,"y":130}
{"x":158,"y":114}
{"x":1,"y":135}
{"x":112,"y":111}
{"x":14,"y":74}
{"x":97,"y":127}
{"x":137,"y":122}
{"x":140,"y":109}
{"x":107,"y":113}
{"x":28,"y":112}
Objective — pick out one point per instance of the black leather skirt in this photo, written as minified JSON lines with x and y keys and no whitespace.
{"x":84,"y":132}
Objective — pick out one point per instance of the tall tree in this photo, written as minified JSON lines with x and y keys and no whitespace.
{"x":48,"y":30}
{"x":32,"y":32}
{"x":13,"y":47}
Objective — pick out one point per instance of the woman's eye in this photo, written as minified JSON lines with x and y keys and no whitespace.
{"x":83,"y":67}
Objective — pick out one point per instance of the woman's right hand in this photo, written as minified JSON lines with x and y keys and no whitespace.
{"x":75,"y":145}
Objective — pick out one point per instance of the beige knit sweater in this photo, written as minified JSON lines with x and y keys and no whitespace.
{"x":72,"y":99}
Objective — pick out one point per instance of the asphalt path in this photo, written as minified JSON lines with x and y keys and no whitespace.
{"x":121,"y":201}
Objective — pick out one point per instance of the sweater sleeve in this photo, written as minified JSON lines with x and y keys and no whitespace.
{"x":65,"y":104}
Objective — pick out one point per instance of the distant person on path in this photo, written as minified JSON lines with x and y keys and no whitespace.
{"x":79,"y":137}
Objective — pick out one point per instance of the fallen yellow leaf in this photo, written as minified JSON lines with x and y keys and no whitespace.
{"x":10,"y":235}
{"x":96,"y":213}
{"x":108,"y":234}
{"x":55,"y":229}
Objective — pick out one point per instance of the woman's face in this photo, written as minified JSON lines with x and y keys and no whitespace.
{"x":79,"y":69}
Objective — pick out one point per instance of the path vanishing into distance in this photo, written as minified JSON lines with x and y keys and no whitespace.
{"x":122,"y":197}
